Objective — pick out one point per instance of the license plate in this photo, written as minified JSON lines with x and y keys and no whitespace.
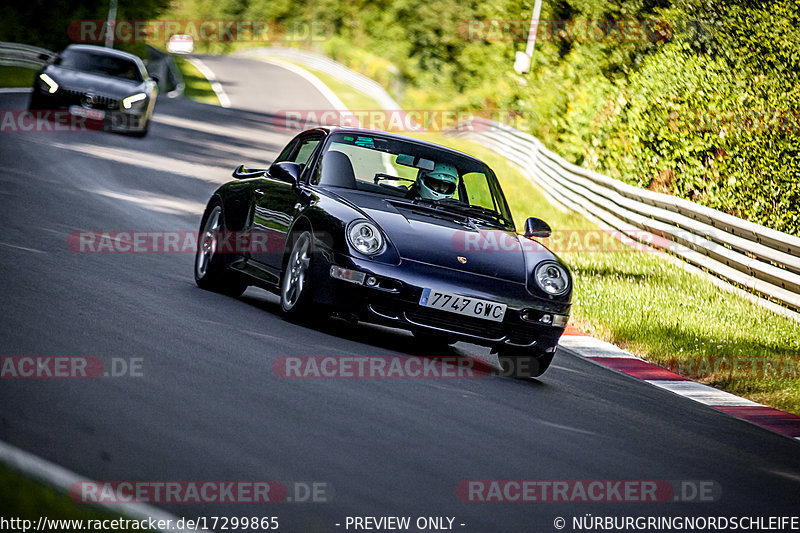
{"x":463,"y":305}
{"x":91,"y":114}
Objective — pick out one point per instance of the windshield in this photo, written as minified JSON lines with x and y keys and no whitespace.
{"x":98,"y":63}
{"x":413,"y":172}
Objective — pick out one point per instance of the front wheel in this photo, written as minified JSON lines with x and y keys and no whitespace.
{"x":210,"y":270}
{"x":433,"y":340}
{"x":296,"y":284}
{"x":522,"y":365}
{"x":141,"y":133}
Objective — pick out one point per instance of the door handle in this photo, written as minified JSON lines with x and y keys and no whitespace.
{"x":258,"y":192}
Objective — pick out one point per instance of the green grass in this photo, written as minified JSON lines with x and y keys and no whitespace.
{"x":26,"y":499}
{"x":16,"y":77}
{"x":198,"y":88}
{"x":647,"y":305}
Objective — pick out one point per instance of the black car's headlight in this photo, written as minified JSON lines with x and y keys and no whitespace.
{"x":47,"y":83}
{"x":365,"y":237}
{"x":552,"y":278}
{"x":132,"y":100}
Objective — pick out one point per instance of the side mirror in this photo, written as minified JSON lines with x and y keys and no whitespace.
{"x":536,"y":227}
{"x":155,"y":77}
{"x":286,"y":171}
{"x":242,"y":173}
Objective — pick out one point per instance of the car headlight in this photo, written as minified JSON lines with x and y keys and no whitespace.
{"x":129,"y":101}
{"x":552,"y":278}
{"x":49,"y":82}
{"x":365,"y":237}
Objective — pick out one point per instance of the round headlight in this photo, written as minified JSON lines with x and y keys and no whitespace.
{"x":552,"y":278}
{"x":365,"y":237}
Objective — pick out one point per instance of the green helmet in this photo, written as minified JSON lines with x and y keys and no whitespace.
{"x":439,"y":183}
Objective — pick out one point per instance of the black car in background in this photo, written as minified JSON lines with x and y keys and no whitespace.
{"x":382,"y":228}
{"x":107,"y":87}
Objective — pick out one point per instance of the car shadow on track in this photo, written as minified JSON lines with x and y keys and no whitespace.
{"x":388,"y":338}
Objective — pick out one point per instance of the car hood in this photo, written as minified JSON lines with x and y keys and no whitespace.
{"x":447,"y":240}
{"x":102,"y":85}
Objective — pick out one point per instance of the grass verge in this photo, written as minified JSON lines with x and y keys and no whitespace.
{"x":12,"y":77}
{"x":645,"y":304}
{"x":198,"y":88}
{"x":26,"y":499}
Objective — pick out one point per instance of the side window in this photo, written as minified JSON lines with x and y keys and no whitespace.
{"x":287,"y":152}
{"x":305,"y":150}
{"x":478,"y":191}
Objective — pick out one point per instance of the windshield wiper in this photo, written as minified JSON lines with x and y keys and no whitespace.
{"x":457,"y":205}
{"x":434,"y":210}
{"x":381,"y":176}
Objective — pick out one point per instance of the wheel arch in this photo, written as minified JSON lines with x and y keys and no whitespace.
{"x":235,"y":200}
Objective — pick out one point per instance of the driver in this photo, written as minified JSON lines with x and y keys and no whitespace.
{"x":439,"y":183}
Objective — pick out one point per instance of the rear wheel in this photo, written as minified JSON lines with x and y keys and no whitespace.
{"x":210,"y":270}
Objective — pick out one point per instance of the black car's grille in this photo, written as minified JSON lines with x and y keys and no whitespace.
{"x":90,"y":100}
{"x":457,"y":323}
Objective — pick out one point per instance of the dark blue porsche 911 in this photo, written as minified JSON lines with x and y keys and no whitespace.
{"x":381,"y":228}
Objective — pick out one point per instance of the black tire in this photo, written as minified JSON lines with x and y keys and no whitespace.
{"x":523,"y":365}
{"x":35,"y":101}
{"x":297,"y":288}
{"x":143,"y":132}
{"x":210,"y":270}
{"x":432,"y":339}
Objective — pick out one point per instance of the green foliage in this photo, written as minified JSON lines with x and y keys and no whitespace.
{"x":45,"y":23}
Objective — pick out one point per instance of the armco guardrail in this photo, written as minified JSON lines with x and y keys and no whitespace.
{"x":162,"y":65}
{"x":23,"y":55}
{"x":748,"y":254}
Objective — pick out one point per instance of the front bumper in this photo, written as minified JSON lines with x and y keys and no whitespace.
{"x":530,"y":323}
{"x":114,"y":117}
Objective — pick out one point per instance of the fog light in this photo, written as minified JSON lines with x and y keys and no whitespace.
{"x":345,"y":274}
{"x":546,"y":319}
{"x":371,"y":281}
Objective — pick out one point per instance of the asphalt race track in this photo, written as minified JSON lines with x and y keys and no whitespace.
{"x":208,"y":405}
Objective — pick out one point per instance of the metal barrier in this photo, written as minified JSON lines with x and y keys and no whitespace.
{"x":162,"y":64}
{"x":23,"y":55}
{"x":748,"y":254}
